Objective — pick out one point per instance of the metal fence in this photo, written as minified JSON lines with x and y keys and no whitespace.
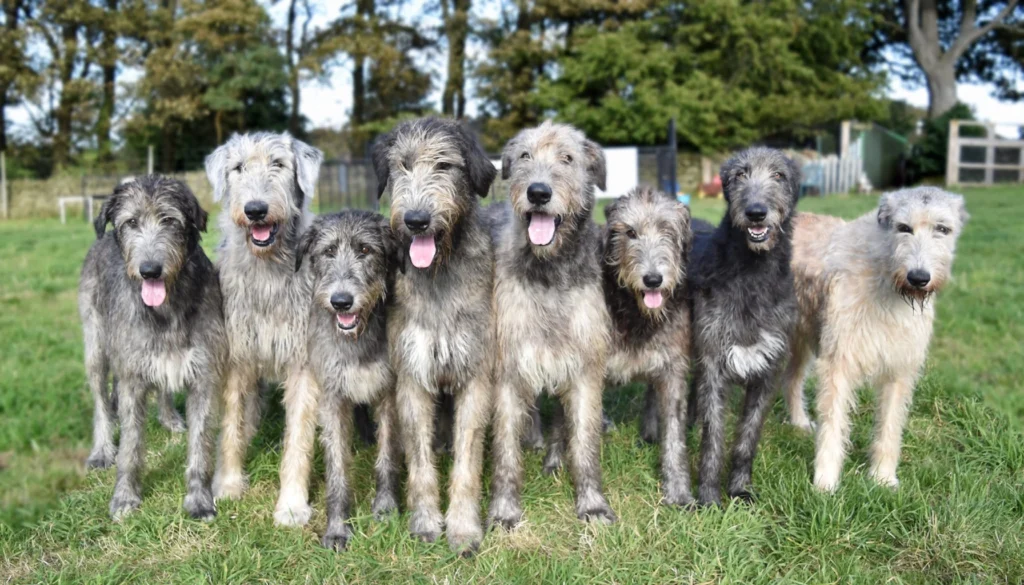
{"x":983,"y":160}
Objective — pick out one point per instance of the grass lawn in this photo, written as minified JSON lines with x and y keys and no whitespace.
{"x":958,"y":516}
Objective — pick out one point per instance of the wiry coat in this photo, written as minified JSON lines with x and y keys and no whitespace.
{"x":265,"y":182}
{"x":744,"y":309}
{"x":551,"y":320}
{"x":439,"y":328}
{"x":169,"y":342}
{"x":865,"y":291}
{"x":347,"y":260}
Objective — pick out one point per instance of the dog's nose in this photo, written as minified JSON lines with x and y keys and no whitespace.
{"x":342,"y":301}
{"x":417,"y":220}
{"x":256,"y":210}
{"x":919,"y":278}
{"x":150,"y":270}
{"x":756,"y":211}
{"x":652,"y":280}
{"x":538,"y":193}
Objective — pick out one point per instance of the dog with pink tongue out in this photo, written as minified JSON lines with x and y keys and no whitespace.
{"x":552,"y":325}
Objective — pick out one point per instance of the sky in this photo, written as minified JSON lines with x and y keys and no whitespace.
{"x":326,"y":102}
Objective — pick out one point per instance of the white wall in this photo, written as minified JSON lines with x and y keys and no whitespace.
{"x":623,"y":171}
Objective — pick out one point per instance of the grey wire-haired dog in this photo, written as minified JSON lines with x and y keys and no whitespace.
{"x":744,"y":309}
{"x":151,"y":313}
{"x":348,"y":258}
{"x":265,"y":182}
{"x":440,"y":326}
{"x":865,"y":291}
{"x":551,"y":320}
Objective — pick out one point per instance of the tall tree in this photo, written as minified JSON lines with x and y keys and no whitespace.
{"x":16,"y":74}
{"x":298,"y":40}
{"x":107,"y":58}
{"x":455,"y":14}
{"x":956,"y":40}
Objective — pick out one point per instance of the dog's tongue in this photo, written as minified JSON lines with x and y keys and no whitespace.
{"x":347,"y":319}
{"x":542,"y":229}
{"x":261,"y":232}
{"x":652,"y":299}
{"x":153,"y":292}
{"x":422,"y":251}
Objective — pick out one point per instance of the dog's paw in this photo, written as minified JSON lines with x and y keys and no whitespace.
{"x":384,"y":504}
{"x":505,"y":514}
{"x":425,"y":525}
{"x":743,"y":496}
{"x":465,"y":542}
{"x":678,"y":497}
{"x":122,"y":505}
{"x":533,"y":442}
{"x":888,"y":480}
{"x":229,"y":485}
{"x":172,"y":421}
{"x":704,"y":503}
{"x":200,"y":506}
{"x":804,"y":425}
{"x":336,"y":540}
{"x":101,"y":459}
{"x":552,"y":466}
{"x":292,"y":514}
{"x":826,"y":483}
{"x":601,"y":513}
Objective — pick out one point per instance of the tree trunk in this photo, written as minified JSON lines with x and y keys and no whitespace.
{"x":941,"y":89}
{"x":365,"y":9}
{"x":293,"y":71}
{"x":3,"y":120}
{"x":109,"y":60}
{"x":453,"y":102}
{"x":65,"y":106}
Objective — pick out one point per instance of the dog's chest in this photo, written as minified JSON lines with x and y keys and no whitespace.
{"x":549,"y":336}
{"x":747,"y":339}
{"x":628,"y":362}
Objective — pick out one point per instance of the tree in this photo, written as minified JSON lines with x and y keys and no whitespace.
{"x":455,"y":14}
{"x":17,"y":77}
{"x":956,"y":40}
{"x":297,"y":50}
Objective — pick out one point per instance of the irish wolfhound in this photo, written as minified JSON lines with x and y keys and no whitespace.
{"x":744,"y":309}
{"x":551,"y":321}
{"x":347,"y":258}
{"x":265,"y":182}
{"x":865,"y":294}
{"x":439,"y":328}
{"x":151,"y":312}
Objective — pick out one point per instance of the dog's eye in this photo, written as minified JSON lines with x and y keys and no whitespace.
{"x":331,"y":250}
{"x":238,"y":168}
{"x":741,"y":175}
{"x":401,"y":165}
{"x":167,"y":221}
{"x":631,"y":233}
{"x":943,"y":230}
{"x":777,"y":176}
{"x":443,"y":166}
{"x":132,"y":223}
{"x":525,"y":156}
{"x":364,"y":250}
{"x":277,"y":164}
{"x":567,"y":159}
{"x":904,"y":229}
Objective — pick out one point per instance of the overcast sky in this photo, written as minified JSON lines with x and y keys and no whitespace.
{"x":327,"y":102}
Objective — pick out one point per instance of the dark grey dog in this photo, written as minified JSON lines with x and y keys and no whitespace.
{"x":744,"y":309}
{"x":440,"y":328}
{"x":551,"y":320}
{"x":150,"y":304}
{"x":347,"y":258}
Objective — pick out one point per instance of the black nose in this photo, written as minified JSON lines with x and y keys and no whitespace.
{"x":341,"y":301}
{"x":150,"y":270}
{"x":919,"y":278}
{"x":756,"y":211}
{"x":538,"y":193}
{"x":256,"y":210}
{"x":652,"y":280}
{"x":417,"y":221}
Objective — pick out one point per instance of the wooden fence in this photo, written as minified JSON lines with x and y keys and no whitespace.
{"x":984,"y":159}
{"x":832,"y":174}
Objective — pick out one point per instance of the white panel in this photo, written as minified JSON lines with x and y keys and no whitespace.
{"x":623,"y":166}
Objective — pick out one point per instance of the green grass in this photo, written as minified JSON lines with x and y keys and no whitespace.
{"x":958,"y":516}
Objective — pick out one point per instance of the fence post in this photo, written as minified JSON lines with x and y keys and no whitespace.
{"x":3,"y":184}
{"x":149,"y":159}
{"x":844,"y":138}
{"x":953,"y":154}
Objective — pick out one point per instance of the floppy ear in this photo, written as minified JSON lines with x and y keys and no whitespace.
{"x":105,"y":216}
{"x":962,"y":210}
{"x":795,"y":176}
{"x":307,"y":166}
{"x":507,"y":156}
{"x":217,"y":172}
{"x":305,"y":243}
{"x":479,"y":167}
{"x":686,"y":233}
{"x":392,"y":250}
{"x":611,"y":209}
{"x":596,"y":165}
{"x":379,"y":157}
{"x":884,"y":211}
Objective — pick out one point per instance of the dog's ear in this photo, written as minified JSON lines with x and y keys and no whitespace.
{"x":794,"y":175}
{"x":307,"y":166}
{"x":217,"y":171}
{"x":507,"y":156}
{"x":961,"y":207}
{"x":686,"y":232}
{"x":392,"y":251}
{"x":479,"y":168}
{"x":379,"y":158}
{"x":597,"y":168}
{"x":884,"y":211}
{"x":611,"y":209}
{"x":305,"y":243}
{"x":105,"y":216}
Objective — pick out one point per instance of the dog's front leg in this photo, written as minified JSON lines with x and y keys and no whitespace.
{"x":670,"y":392}
{"x":472,"y":411}
{"x":131,"y":452}
{"x":758,"y":396}
{"x":199,"y":409}
{"x":711,"y":406}
{"x":336,"y":425}
{"x":229,"y":480}
{"x":509,"y":416}
{"x":583,"y":416}
{"x":301,"y":395}
{"x":416,"y":417}
{"x":389,"y":455}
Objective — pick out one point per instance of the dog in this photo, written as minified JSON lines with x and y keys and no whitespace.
{"x":553,"y":328}
{"x":866,"y":295}
{"x":150,"y":304}
{"x":744,"y":309}
{"x":348,"y":259}
{"x":440,"y":329}
{"x":265,"y":182}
